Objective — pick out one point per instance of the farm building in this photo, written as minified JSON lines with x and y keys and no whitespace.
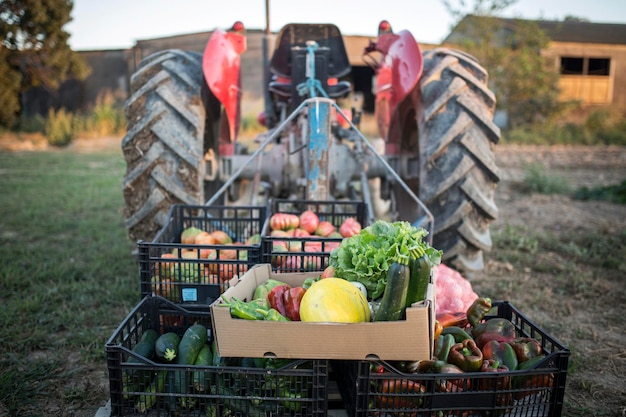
{"x":590,"y":57}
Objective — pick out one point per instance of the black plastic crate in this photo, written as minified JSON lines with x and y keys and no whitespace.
{"x":309,"y":253}
{"x":365,"y":385}
{"x":289,"y":388}
{"x":198,"y":274}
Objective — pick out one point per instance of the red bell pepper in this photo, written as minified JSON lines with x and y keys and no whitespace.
{"x":291,"y":299}
{"x":276,"y":298}
{"x":400,"y":393}
{"x":501,"y":383}
{"x":501,"y":352}
{"x":526,"y":348}
{"x":499,"y":329}
{"x":466,"y":355}
{"x":448,"y":383}
{"x":477,"y":311}
{"x":452,"y":319}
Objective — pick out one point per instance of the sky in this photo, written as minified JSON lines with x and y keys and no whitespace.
{"x":118,"y":24}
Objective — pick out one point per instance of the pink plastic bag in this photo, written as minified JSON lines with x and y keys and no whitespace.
{"x":454,"y":293}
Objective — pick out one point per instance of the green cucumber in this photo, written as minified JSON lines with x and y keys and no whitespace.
{"x":420,"y":267}
{"x":166,"y":346}
{"x":393,"y":302}
{"x":205,"y":358}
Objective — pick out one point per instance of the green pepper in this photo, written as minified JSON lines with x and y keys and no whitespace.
{"x":263,"y":303}
{"x":244,"y":310}
{"x":526,"y":348}
{"x":308,"y":282}
{"x":499,"y":329}
{"x":271,"y":283}
{"x":501,"y":352}
{"x":491,"y":365}
{"x":443,"y":344}
{"x":458,"y":333}
{"x":477,"y":311}
{"x":421,"y":366}
{"x":443,"y":367}
{"x":260,"y":292}
{"x":450,"y":384}
{"x":274,"y":315}
{"x":466,"y":355}
{"x":527,"y":384}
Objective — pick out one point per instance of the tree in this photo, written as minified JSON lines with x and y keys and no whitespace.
{"x":34,"y":51}
{"x":524,"y":81}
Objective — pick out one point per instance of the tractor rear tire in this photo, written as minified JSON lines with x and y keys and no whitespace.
{"x":163,"y":146}
{"x":458,"y":172}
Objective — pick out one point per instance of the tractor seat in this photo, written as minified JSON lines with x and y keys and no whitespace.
{"x":282,"y":87}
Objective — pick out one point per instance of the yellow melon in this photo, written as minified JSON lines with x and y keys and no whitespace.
{"x":334,"y":300}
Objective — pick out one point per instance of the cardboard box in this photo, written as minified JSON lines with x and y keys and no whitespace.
{"x":409,"y":339}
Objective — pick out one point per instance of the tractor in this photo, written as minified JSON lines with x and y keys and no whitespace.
{"x":433,"y":163}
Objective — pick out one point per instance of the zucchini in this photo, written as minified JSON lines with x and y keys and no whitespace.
{"x":205,"y":358}
{"x":393,"y":302}
{"x":189,"y":347}
{"x":149,"y":397}
{"x":134,"y":379}
{"x":217,"y":359}
{"x":420,"y":267}
{"x":166,"y":346}
{"x":145,"y":347}
{"x":191,"y":343}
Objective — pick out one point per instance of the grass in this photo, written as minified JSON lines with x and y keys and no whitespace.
{"x":612,"y":193}
{"x":67,"y":273}
{"x":538,"y":179}
{"x":69,"y":280}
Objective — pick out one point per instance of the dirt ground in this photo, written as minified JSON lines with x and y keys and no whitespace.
{"x":581,"y":305}
{"x":587,"y":315}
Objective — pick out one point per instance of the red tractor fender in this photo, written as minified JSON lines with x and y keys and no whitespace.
{"x":398,"y":75}
{"x":221,"y":65}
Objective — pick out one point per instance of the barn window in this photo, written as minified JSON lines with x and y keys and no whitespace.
{"x":572,"y":66}
{"x":585,"y":66}
{"x":599,"y":66}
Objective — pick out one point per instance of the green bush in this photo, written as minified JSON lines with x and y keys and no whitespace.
{"x":612,"y":193}
{"x":106,"y":118}
{"x":34,"y":124}
{"x":58,"y":127}
{"x":539,"y":180}
{"x":601,"y":127}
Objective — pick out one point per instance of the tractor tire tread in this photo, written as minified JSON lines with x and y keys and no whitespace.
{"x":163,"y":145}
{"x":460,"y":174}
